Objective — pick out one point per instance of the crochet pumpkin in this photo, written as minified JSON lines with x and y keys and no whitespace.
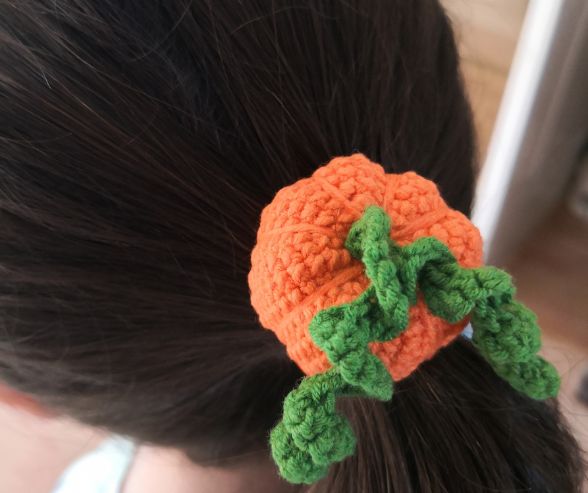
{"x":300,"y":265}
{"x":363,"y":275}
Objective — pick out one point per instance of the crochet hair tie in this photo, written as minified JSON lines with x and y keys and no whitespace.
{"x":364,"y":275}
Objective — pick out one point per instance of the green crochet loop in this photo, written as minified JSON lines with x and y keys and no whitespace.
{"x":312,"y":435}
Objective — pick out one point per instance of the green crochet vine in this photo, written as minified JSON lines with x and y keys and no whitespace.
{"x":312,"y":435}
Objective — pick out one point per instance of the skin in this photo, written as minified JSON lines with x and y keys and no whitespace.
{"x":157,"y":469}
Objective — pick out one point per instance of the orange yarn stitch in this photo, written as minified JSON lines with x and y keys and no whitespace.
{"x":300,"y":265}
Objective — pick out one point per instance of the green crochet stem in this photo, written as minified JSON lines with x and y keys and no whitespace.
{"x":312,"y":435}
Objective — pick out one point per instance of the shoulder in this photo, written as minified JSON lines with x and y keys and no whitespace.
{"x":100,"y":471}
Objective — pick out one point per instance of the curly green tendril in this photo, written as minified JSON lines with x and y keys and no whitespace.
{"x":312,"y":435}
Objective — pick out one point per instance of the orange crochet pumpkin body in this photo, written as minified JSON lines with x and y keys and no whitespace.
{"x":300,"y":265}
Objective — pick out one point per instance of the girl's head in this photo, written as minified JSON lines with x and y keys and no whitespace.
{"x":139,"y":142}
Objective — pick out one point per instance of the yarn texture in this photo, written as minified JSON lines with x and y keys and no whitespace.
{"x":300,"y":265}
{"x":353,"y":335}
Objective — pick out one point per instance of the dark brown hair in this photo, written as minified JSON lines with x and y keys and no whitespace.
{"x":139,"y":142}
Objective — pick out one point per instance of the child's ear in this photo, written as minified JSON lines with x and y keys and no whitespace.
{"x":21,"y":401}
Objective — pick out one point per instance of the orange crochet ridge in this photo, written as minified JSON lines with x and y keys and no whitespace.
{"x":300,"y":265}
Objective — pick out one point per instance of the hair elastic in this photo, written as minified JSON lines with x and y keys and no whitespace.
{"x":364,"y":275}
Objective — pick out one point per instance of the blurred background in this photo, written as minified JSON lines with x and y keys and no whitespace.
{"x":525,"y":63}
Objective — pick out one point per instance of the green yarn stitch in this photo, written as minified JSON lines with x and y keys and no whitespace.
{"x":312,"y":435}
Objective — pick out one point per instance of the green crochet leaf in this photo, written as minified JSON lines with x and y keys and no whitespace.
{"x":312,"y":435}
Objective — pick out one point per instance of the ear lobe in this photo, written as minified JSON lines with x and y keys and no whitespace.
{"x":23,"y":402}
